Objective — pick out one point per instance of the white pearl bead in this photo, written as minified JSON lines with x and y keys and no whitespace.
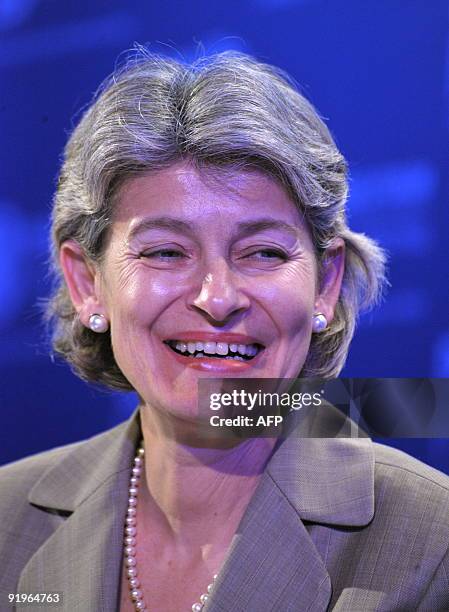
{"x":319,"y":322}
{"x":130,"y":542}
{"x":98,"y":323}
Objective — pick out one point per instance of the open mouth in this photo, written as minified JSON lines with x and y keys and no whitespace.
{"x":218,"y":350}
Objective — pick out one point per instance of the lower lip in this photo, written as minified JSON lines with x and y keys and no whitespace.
{"x":214,"y":364}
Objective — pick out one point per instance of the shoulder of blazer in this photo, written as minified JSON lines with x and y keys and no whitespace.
{"x":412,"y":498}
{"x":18,"y":477}
{"x":403,"y":470}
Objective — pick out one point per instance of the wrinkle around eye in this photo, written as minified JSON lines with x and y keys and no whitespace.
{"x":127,"y":273}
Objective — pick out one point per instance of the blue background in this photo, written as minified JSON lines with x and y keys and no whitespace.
{"x":377,"y":71}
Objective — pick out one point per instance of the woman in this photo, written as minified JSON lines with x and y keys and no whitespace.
{"x":199,"y":231}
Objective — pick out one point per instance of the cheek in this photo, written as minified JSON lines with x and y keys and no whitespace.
{"x":294,"y":315}
{"x":140,"y":297}
{"x":136,"y":307}
{"x":290,"y":297}
{"x":131,"y":311}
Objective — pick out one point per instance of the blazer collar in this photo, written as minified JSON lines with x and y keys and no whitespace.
{"x":313,"y":475}
{"x":326,"y":479}
{"x":83,"y":557}
{"x":73,"y":479}
{"x":272,"y":562}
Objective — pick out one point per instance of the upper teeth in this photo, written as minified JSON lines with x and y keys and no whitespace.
{"x":218,"y":348}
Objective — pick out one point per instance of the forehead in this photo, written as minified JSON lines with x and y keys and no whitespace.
{"x":202,"y":196}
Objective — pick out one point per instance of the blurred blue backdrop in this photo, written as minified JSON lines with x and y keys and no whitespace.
{"x":377,"y":70}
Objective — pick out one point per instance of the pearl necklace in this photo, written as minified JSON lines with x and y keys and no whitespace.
{"x":131,"y":538}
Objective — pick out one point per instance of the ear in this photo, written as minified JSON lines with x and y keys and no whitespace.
{"x":82,"y":280}
{"x":332,"y":270}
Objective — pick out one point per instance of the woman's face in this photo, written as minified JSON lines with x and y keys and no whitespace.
{"x":215,"y":265}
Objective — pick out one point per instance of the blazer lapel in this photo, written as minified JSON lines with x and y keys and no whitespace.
{"x":273,"y":563}
{"x":82,"y":558}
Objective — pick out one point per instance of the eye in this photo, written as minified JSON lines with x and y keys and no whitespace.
{"x":267,"y":255}
{"x":166,"y":254}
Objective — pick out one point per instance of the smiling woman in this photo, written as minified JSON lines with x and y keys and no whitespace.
{"x":199,"y":232}
{"x":217,"y":251}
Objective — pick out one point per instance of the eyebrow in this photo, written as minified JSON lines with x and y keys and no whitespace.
{"x":245,"y":228}
{"x":252,"y":227}
{"x":167,"y":223}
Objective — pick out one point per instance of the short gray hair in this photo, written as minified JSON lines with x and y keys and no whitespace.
{"x":224,"y":111}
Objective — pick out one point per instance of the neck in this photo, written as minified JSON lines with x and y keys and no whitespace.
{"x":198,"y":492}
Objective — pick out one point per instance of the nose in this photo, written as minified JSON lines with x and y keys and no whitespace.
{"x":220,"y":294}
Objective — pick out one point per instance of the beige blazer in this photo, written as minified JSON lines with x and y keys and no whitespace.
{"x":335,"y":524}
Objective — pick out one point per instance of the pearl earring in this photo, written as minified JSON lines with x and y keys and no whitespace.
{"x":319,"y":322}
{"x":98,"y":323}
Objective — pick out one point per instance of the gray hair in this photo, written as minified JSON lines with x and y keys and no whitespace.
{"x":224,"y":111}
